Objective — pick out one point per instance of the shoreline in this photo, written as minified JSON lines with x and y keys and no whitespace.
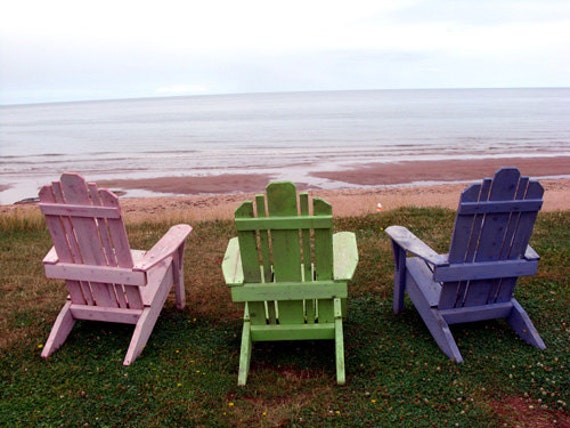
{"x":452,"y":170}
{"x":429,"y":184}
{"x":371,"y":175}
{"x":345,"y":202}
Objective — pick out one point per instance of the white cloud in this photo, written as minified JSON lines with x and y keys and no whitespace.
{"x":128,"y":47}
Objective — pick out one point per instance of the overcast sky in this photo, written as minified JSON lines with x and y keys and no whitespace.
{"x":64,"y":50}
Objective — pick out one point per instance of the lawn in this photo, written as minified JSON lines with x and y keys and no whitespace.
{"x":187,"y":374}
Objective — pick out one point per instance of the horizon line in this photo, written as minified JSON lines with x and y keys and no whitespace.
{"x":215,"y":94}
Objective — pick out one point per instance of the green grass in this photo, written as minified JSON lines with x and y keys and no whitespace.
{"x":187,"y":375}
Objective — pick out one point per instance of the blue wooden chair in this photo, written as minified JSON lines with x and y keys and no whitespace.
{"x":489,"y":251}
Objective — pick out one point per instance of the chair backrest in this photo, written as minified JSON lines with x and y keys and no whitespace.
{"x":282,"y":241}
{"x":492,"y":230}
{"x":90,"y":239}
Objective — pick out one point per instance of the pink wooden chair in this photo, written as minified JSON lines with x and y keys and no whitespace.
{"x":106,"y":280}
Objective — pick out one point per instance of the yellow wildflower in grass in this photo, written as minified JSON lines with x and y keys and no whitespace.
{"x":231,"y":404}
{"x":40,"y":346}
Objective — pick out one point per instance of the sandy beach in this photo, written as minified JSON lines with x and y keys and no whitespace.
{"x":393,"y":185}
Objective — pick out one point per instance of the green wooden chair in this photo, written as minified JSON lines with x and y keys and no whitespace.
{"x":290,"y":270}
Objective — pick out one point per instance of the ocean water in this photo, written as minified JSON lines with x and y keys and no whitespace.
{"x":289,"y":135}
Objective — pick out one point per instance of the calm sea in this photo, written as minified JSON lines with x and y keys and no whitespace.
{"x":287,"y":134}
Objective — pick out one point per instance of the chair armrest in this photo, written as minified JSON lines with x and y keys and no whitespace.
{"x":530,"y":254}
{"x":165,"y":247}
{"x":412,"y":244}
{"x":345,"y":253}
{"x":231,"y":265}
{"x":51,"y":257}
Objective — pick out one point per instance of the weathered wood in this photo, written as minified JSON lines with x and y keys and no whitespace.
{"x":248,"y":245}
{"x":283,"y":223}
{"x":232,"y":266}
{"x":246,"y":345}
{"x":283,"y":291}
{"x":290,"y":270}
{"x":324,"y":259}
{"x":307,"y":256}
{"x":509,"y":207}
{"x":489,"y":250}
{"x":344,"y":260}
{"x":92,"y":254}
{"x":406,"y":239}
{"x":485,"y":270}
{"x":105,"y":274}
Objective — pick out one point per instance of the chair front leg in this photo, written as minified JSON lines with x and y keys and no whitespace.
{"x":178,"y":277}
{"x":399,"y":276}
{"x":246,"y":345}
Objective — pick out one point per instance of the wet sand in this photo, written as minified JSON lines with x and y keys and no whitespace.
{"x":447,"y":170}
{"x":393,"y":185}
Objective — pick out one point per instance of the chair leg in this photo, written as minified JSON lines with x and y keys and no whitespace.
{"x":399,"y":277}
{"x":521,"y":323}
{"x":60,"y":330}
{"x":141,"y":334}
{"x":339,"y":353}
{"x":245,"y":354}
{"x":148,"y":318}
{"x":339,"y":343}
{"x":178,"y":278}
{"x":440,"y":331}
{"x":435,"y":323}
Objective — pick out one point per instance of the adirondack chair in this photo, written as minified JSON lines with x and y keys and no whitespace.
{"x":106,"y":280}
{"x":290,"y":270}
{"x":489,"y":250}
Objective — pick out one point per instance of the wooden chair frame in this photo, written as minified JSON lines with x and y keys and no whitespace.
{"x":489,"y":251}
{"x":290,"y":270}
{"x":106,"y":280}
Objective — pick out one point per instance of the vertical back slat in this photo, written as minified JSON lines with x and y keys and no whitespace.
{"x":116,"y":232}
{"x":310,"y":308}
{"x":521,"y":235}
{"x":493,"y":231}
{"x":324,"y":258}
{"x":323,"y":242}
{"x":107,"y":244}
{"x":464,"y":243}
{"x":260,"y":312}
{"x":89,"y":242}
{"x":306,"y":239}
{"x":248,"y":246}
{"x":264,"y":246}
{"x":73,"y":245}
{"x":526,"y":221}
{"x":282,"y":202}
{"x":58,"y":232}
{"x":286,"y":248}
{"x":492,"y":236}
